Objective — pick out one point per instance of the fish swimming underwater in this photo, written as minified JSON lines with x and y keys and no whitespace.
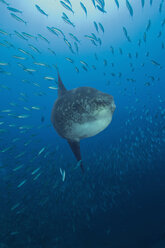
{"x":81,"y":113}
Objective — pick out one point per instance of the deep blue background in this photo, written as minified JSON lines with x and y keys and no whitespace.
{"x":119,"y":201}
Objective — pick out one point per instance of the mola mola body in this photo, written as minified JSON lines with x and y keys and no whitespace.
{"x":81,"y":113}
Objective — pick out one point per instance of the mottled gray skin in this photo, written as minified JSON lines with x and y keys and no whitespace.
{"x":80,"y":105}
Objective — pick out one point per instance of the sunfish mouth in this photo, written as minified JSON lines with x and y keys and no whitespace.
{"x":113,"y":107}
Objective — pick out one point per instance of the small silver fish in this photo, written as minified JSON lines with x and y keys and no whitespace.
{"x":51,"y":51}
{"x":68,"y":22}
{"x":3,"y":32}
{"x":101,"y":27}
{"x":43,"y":38}
{"x":129,"y":7}
{"x":20,"y":35}
{"x":41,"y":64}
{"x":96,"y":26}
{"x":57,"y":30}
{"x":126,"y":34}
{"x":41,"y":151}
{"x":68,"y":2}
{"x":117,"y":3}
{"x":148,"y":25}
{"x":22,"y":183}
{"x":52,"y":31}
{"x":83,"y":7}
{"x":40,"y":10}
{"x":70,"y":60}
{"x":3,"y":1}
{"x":19,"y":57}
{"x":74,"y":37}
{"x":142,"y":2}
{"x":34,"y":48}
{"x":3,"y":63}
{"x":101,"y":9}
{"x":66,"y":6}
{"x":28,"y":35}
{"x":17,"y":18}
{"x":49,"y":78}
{"x":14,"y":10}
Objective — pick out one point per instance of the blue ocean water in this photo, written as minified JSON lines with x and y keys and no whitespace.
{"x":118,"y":202}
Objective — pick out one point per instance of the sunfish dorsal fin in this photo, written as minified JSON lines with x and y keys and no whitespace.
{"x":75,"y":146}
{"x":61,"y":88}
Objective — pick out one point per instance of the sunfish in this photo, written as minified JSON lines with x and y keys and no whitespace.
{"x":81,"y":113}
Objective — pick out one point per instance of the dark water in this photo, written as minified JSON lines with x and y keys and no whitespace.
{"x":119,"y":201}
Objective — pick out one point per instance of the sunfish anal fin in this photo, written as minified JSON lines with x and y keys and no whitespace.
{"x":75,"y":146}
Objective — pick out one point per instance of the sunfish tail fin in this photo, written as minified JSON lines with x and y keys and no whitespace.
{"x":75,"y":147}
{"x":82,"y":167}
{"x":61,"y":88}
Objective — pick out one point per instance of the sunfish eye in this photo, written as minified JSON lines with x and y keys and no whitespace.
{"x":98,"y":101}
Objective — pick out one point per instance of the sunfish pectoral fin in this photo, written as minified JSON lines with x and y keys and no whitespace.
{"x":75,"y":146}
{"x":61,"y":88}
